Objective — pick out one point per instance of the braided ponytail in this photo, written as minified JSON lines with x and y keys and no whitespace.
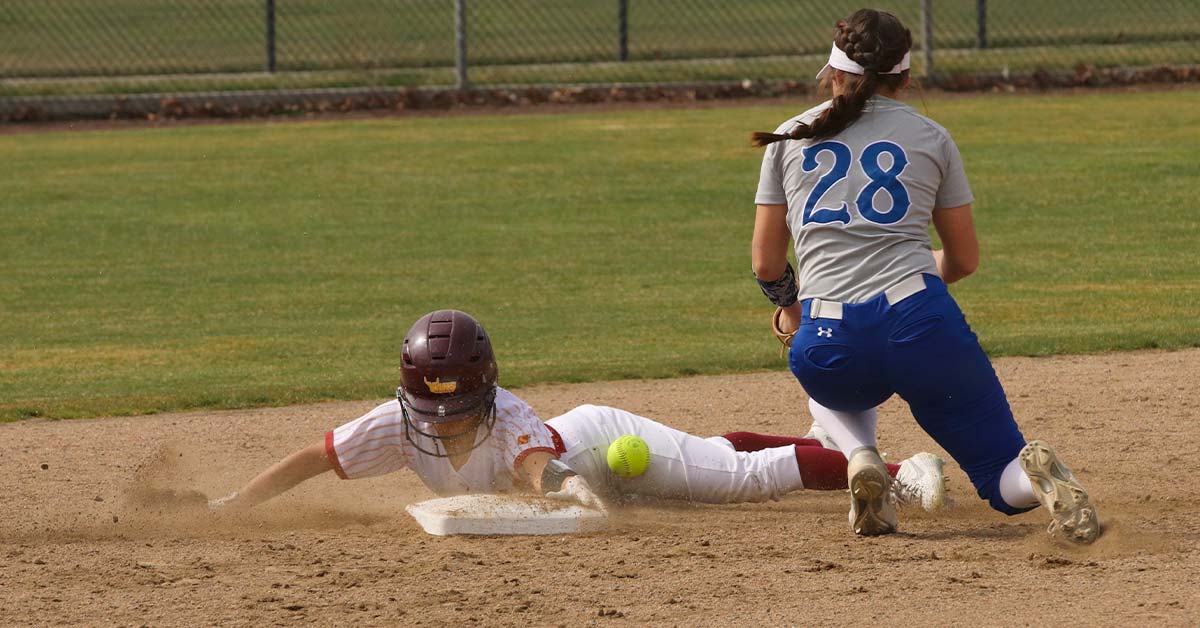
{"x":873,"y":39}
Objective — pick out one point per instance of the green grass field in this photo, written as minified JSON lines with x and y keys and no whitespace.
{"x":516,"y":40}
{"x":270,"y":263}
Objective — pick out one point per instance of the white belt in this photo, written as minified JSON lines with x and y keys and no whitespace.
{"x":906,"y":288}
{"x":821,"y":308}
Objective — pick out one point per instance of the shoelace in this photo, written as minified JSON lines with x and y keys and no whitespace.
{"x":902,"y":494}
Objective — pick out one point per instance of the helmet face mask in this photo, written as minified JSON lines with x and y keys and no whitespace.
{"x":417,"y":430}
{"x":448,"y":374}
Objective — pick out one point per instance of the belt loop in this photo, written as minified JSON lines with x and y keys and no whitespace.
{"x":814,"y":308}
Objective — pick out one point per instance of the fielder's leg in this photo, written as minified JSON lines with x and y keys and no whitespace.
{"x":836,"y":357}
{"x":848,"y":430}
{"x":957,"y":399}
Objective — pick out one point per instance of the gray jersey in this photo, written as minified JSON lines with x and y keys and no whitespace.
{"x":859,"y":203}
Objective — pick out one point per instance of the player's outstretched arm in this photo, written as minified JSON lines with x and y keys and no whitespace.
{"x":280,"y":477}
{"x":959,"y":255}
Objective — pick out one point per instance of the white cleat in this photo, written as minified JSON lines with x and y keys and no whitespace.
{"x":1073,"y":516}
{"x":816,"y":432}
{"x":922,"y":480}
{"x":871,"y":510}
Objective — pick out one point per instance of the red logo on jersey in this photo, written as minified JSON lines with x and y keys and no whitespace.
{"x":523,"y":439}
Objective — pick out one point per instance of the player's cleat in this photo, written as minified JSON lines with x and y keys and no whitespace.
{"x":921,"y":481}
{"x":816,"y":432}
{"x":1073,"y":516}
{"x":871,"y":509}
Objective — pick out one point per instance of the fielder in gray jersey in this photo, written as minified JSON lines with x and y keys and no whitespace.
{"x":855,"y":184}
{"x":883,"y":253}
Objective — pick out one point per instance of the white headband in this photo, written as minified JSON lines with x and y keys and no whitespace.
{"x":839,"y":60}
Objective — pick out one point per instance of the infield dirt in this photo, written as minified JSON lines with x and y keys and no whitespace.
{"x":101,"y":524}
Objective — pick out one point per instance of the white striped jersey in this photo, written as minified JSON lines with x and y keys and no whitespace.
{"x":375,"y":444}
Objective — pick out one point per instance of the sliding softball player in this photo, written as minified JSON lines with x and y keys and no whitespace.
{"x":461,"y":433}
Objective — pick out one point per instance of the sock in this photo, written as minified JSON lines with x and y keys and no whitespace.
{"x":850,"y":430}
{"x":825,"y":469}
{"x":749,"y":441}
{"x":1015,"y":487}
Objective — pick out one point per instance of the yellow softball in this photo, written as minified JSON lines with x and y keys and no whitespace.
{"x":628,"y":456}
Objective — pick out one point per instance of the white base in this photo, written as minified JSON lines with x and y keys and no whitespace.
{"x":504,"y":514}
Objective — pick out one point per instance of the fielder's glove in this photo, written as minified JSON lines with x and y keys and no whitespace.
{"x":784,"y":337}
{"x":576,"y":489}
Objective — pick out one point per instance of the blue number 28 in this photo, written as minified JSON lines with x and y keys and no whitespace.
{"x":880,"y":180}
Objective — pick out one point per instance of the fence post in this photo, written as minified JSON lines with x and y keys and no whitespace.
{"x":927,"y":36}
{"x":622,"y":30}
{"x":460,"y":42}
{"x":981,"y":22}
{"x":270,"y":36}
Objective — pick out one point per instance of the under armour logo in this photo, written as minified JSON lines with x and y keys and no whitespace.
{"x":825,"y":332}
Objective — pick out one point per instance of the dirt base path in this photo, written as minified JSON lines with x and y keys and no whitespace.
{"x":82,"y":544}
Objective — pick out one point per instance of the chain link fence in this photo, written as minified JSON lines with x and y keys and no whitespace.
{"x":60,"y":53}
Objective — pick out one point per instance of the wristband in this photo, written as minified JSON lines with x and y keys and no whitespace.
{"x":782,"y":291}
{"x":554,"y":474}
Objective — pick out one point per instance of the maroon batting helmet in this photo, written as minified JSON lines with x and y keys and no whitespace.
{"x":448,"y":373}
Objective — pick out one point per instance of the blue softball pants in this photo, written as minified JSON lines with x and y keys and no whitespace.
{"x":920,"y":347}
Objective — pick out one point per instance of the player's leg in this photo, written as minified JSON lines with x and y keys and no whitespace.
{"x":822,"y":469}
{"x":919,"y":480}
{"x":682,"y":466}
{"x":818,"y":433}
{"x":817,"y":436}
{"x":835,"y":357}
{"x":753,"y":441}
{"x":848,"y":430}
{"x":945,"y":376}
{"x":955,"y":396}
